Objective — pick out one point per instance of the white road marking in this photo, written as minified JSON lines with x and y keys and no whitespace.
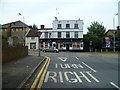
{"x":83,"y":75}
{"x":77,"y":58}
{"x":92,"y":77}
{"x":89,"y":67}
{"x":63,"y":59}
{"x":115,"y":85}
{"x":61,"y":77}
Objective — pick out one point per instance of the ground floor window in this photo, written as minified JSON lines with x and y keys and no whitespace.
{"x":32,"y":45}
{"x":61,"y":45}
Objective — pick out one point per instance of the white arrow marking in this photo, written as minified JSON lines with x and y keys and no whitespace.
{"x":62,"y":59}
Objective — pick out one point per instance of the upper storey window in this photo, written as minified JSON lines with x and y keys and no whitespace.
{"x":59,"y":26}
{"x":67,"y":26}
{"x":75,"y":26}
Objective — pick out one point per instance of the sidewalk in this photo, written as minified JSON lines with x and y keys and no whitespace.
{"x":13,"y":73}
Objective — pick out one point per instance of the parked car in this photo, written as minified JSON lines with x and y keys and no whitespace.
{"x":50,"y":49}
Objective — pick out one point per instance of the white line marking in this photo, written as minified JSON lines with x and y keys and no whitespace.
{"x":89,"y":67}
{"x":64,"y":59}
{"x":92,"y":77}
{"x":77,"y":58}
{"x":115,"y":85}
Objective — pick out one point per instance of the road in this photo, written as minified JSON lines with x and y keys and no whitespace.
{"x":81,"y":70}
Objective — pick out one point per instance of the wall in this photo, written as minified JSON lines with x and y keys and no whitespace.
{"x":71,"y":22}
{"x":63,"y":33}
{"x":28,"y":40}
{"x":12,"y":53}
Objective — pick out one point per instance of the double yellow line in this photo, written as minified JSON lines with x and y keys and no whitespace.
{"x":41,"y":75}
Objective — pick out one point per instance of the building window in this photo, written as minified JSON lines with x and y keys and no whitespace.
{"x":76,"y":34}
{"x":67,"y":34}
{"x":46,"y":34}
{"x":32,"y":45}
{"x":59,"y":26}
{"x":59,"y":34}
{"x":75,"y":26}
{"x":81,"y":45}
{"x":67,"y":26}
{"x":32,"y":38}
{"x":64,"y":45}
{"x":49,"y":35}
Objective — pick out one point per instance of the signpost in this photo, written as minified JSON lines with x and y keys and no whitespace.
{"x":39,"y":34}
{"x":91,"y":46}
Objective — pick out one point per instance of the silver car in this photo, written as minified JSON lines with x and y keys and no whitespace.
{"x":50,"y":49}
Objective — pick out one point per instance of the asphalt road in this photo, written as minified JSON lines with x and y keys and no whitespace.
{"x":81,"y":70}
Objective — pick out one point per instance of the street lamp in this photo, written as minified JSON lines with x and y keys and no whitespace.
{"x":114,"y":29}
{"x":23,"y":28}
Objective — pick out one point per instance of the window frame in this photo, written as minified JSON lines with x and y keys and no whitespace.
{"x":67,"y":34}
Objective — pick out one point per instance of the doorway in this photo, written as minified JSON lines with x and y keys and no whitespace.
{"x":67,"y":47}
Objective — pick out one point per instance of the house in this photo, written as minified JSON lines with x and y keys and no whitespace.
{"x":65,"y":35}
{"x":112,"y":32}
{"x":32,"y":40}
{"x":15,"y":31}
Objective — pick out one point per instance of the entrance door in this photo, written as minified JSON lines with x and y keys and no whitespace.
{"x":67,"y":47}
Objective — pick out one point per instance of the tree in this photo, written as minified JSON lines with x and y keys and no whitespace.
{"x":35,"y":27}
{"x":96,"y":33}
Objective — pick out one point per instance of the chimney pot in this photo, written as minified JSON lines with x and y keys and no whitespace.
{"x":42,"y":27}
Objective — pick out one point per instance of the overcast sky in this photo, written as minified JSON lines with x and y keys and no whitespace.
{"x":43,"y":11}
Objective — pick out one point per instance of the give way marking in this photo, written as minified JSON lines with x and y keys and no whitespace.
{"x":63,"y":59}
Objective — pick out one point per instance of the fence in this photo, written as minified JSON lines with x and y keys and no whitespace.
{"x":12,"y":53}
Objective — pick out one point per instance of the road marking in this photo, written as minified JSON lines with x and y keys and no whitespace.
{"x":89,"y":67}
{"x":72,"y":80}
{"x":61,"y":77}
{"x":83,"y":75}
{"x":53,"y":76}
{"x":39,"y":74}
{"x":63,"y":59}
{"x":92,"y":76}
{"x":115,"y":85}
{"x":43,"y":75}
{"x":77,"y":58}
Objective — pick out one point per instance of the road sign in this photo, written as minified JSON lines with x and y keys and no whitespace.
{"x":90,"y":42}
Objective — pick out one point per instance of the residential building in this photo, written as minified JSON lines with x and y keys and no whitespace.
{"x":32,"y":40}
{"x":15,"y":31}
{"x":65,"y":35}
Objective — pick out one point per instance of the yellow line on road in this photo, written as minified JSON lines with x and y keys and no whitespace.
{"x":38,"y":76}
{"x":43,"y":75}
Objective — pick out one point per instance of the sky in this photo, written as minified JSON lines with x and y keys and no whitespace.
{"x":44,"y":11}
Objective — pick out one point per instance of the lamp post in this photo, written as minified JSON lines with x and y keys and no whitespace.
{"x":114,"y":29}
{"x":23,"y":28}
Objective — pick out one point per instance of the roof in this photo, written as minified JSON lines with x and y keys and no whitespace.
{"x":16,"y":24}
{"x":46,"y":29}
{"x":32,"y":33}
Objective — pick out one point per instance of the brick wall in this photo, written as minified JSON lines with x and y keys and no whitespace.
{"x":12,"y":53}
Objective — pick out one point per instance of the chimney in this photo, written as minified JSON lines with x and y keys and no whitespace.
{"x":42,"y":27}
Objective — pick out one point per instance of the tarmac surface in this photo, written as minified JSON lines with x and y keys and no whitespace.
{"x":65,"y":70}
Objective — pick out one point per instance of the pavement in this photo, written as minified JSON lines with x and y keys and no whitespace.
{"x":15,"y":72}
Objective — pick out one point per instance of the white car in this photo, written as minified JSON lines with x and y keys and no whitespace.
{"x":50,"y":49}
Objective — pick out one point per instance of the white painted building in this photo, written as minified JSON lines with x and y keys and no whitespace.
{"x":65,"y":35}
{"x":32,"y":40}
